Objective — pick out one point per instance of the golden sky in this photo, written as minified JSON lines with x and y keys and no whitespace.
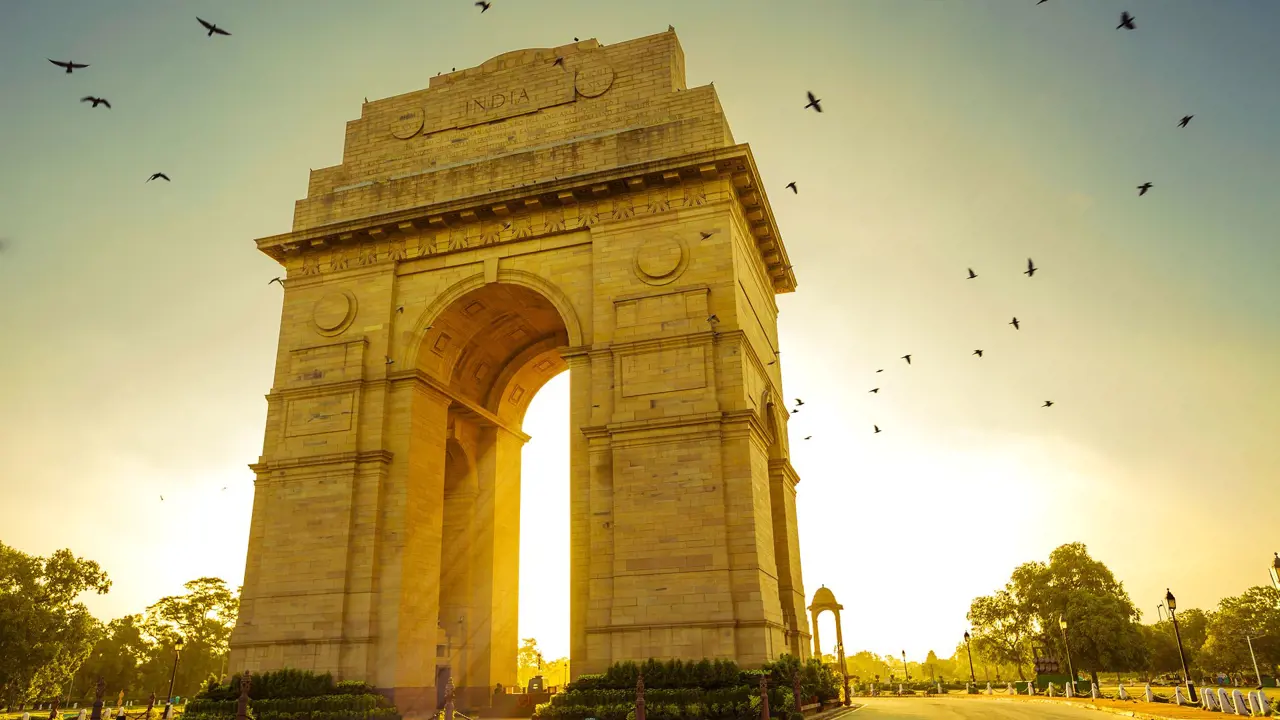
{"x":139,"y":331}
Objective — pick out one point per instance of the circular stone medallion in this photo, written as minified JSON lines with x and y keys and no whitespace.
{"x":660,"y":260}
{"x":407,"y":123}
{"x":593,"y":81}
{"x":334,"y":312}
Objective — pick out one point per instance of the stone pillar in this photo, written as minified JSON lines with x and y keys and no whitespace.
{"x":242,"y":705}
{"x":640,"y":697}
{"x":796,"y":692}
{"x":764,"y":697}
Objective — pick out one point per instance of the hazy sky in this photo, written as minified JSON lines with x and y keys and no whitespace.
{"x":139,"y":332}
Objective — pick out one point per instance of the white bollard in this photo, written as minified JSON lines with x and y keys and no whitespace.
{"x":989,"y":689}
{"x":26,"y":716}
{"x":1051,"y":689}
{"x":1149,"y":695}
{"x":1122,"y":694}
{"x":1071,"y":691}
{"x":1010,"y":689}
{"x":1177,"y":695}
{"x":1224,"y":702}
{"x":1031,"y":687}
{"x":1206,"y":701}
{"x":1093,"y":690}
{"x":83,"y":715}
{"x":1242,"y":705}
{"x":1264,"y":703}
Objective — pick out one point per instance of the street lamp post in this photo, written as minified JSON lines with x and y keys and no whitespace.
{"x":1062,"y":625}
{"x":1255,"y":661}
{"x":969,"y":650}
{"x":177,"y":650}
{"x":1172,"y":603}
{"x":1275,"y":572}
{"x":906,"y":674}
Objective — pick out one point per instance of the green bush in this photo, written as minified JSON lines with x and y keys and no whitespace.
{"x":292,"y":695}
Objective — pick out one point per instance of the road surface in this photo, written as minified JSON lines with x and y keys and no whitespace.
{"x":967,"y":709}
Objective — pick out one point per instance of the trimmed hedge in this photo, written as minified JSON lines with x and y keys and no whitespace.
{"x":678,"y":690}
{"x":292,"y":695}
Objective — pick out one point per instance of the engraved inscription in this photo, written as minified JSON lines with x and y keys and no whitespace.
{"x":316,"y":416}
{"x":489,"y":102}
{"x":664,"y":371}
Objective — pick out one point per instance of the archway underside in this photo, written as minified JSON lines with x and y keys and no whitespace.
{"x":490,"y":350}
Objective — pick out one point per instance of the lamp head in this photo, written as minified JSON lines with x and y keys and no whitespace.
{"x":1276,"y":564}
{"x":1169,"y":600}
{"x":1062,"y":623}
{"x":966,"y":636}
{"x":177,"y":645}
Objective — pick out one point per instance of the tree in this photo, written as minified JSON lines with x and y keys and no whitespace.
{"x":1001,"y":629}
{"x":202,"y":618}
{"x":1102,"y":620}
{"x":119,"y":655}
{"x":1256,"y":614}
{"x":44,"y":632}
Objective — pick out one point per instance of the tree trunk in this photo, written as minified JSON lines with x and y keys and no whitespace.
{"x":1093,"y":675}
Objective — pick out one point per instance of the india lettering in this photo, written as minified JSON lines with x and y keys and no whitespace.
{"x":497,"y":101}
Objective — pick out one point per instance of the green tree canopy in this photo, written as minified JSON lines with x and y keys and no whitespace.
{"x":1255,"y":614}
{"x":1002,"y":629}
{"x":45,"y":633}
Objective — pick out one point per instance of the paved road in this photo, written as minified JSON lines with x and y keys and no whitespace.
{"x":968,"y":709}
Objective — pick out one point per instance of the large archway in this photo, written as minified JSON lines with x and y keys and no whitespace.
{"x":490,"y":349}
{"x":574,"y":207}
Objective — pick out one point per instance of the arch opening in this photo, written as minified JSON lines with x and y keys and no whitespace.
{"x":486,"y":353}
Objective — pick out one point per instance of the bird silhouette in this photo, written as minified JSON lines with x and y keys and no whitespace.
{"x":276,"y":280}
{"x":483,"y":6}
{"x":558,"y":61}
{"x":1041,"y":2}
{"x":904,"y":357}
{"x":1047,"y":403}
{"x":874,"y":390}
{"x":792,"y":185}
{"x":814,"y":103}
{"x":400,"y":310}
{"x":213,"y":29}
{"x":713,"y":319}
{"x":978,"y":353}
{"x":1015,"y":324}
{"x":1185,"y":119}
{"x":882,"y":369}
{"x":1126,"y":21}
{"x":877,"y":427}
{"x":707,"y":235}
{"x":972,"y":274}
{"x":808,"y":437}
{"x":772,"y":362}
{"x":161,"y":498}
{"x":793,"y":412}
{"x":96,"y":101}
{"x":799,"y":402}
{"x":224,"y":488}
{"x":1143,"y":188}
{"x":70,"y":66}
{"x":389,"y":360}
{"x":1031,"y":269}
{"x":158,"y":176}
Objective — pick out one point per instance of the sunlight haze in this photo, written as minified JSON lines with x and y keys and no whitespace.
{"x":139,"y":330}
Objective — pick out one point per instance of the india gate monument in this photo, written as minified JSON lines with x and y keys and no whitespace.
{"x":577,"y":208}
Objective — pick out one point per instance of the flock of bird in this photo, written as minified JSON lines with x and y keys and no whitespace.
{"x":71,"y":66}
{"x":815,"y":104}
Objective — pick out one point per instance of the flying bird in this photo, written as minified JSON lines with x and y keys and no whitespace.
{"x":276,"y":280}
{"x":874,"y":390}
{"x":483,"y":6}
{"x":213,"y":28}
{"x":159,"y":176}
{"x":389,"y":360}
{"x":1042,"y":2}
{"x":904,"y":357}
{"x":793,"y":412}
{"x":1126,"y":21}
{"x":707,"y":235}
{"x":1031,"y":269}
{"x":972,"y":274}
{"x":882,"y":369}
{"x":772,"y":362}
{"x":793,"y":188}
{"x":70,"y":66}
{"x":1015,"y":324}
{"x":161,"y":498}
{"x":1047,"y":403}
{"x":877,"y":427}
{"x":814,"y":103}
{"x":1143,"y":188}
{"x":558,"y":61}
{"x":1185,"y":119}
{"x":96,"y":101}
{"x":808,"y":437}
{"x":799,"y":402}
{"x":978,"y":353}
